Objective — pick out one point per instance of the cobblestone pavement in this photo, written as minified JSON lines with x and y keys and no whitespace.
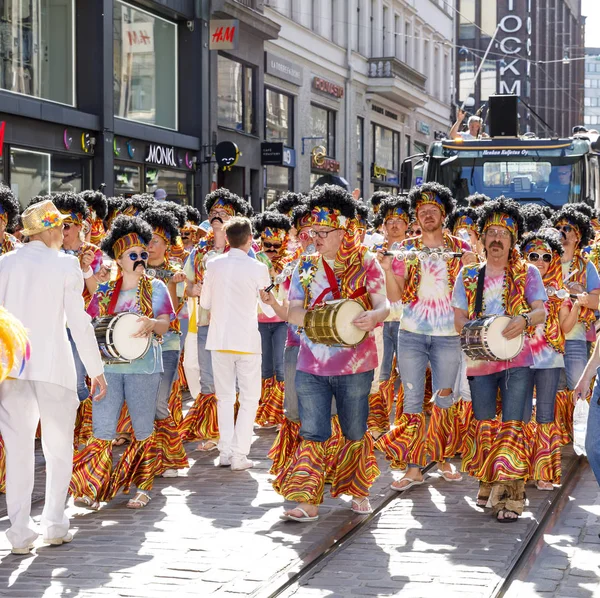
{"x":217,"y":533}
{"x":568,"y":564}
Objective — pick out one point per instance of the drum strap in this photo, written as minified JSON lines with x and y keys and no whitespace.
{"x":115,"y":297}
{"x":333,"y":284}
{"x":479,"y":292}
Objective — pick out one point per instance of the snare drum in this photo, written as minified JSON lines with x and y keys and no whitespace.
{"x":482,"y":340}
{"x":332,"y":324}
{"x":115,"y":340}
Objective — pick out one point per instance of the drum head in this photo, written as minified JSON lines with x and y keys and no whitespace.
{"x":502,"y":348}
{"x":127,"y":346}
{"x":347,"y":331}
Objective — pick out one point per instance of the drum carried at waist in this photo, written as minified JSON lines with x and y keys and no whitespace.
{"x":116,"y":341}
{"x":332,"y":323}
{"x":482,"y":340}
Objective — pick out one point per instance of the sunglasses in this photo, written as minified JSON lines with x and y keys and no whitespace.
{"x":268,"y":245}
{"x":535,"y":257}
{"x":134,"y":256}
{"x":567,"y":228}
{"x":66,"y":226}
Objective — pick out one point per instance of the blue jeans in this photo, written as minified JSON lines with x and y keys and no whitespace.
{"x":169,"y":375}
{"x":592,"y":438}
{"x":545,"y":383}
{"x":414,"y":352}
{"x":184,"y":323}
{"x":207,"y":381}
{"x":83,"y":391}
{"x":139,"y":391}
{"x":390,"y":342}
{"x":576,"y":357}
{"x":351,"y":397}
{"x":515,"y":389}
{"x":273,"y":336}
{"x":290,"y":401}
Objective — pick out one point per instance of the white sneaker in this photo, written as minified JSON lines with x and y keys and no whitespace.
{"x":224,"y":461}
{"x":59,"y":541}
{"x":25,"y":550}
{"x":170,"y":473}
{"x":240,"y":463}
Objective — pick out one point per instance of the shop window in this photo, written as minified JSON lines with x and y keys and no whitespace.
{"x":178,"y":184}
{"x":37,"y":47}
{"x":235,"y":95}
{"x":322,"y":124}
{"x":67,"y":174}
{"x":360,"y":153}
{"x":279,"y":117}
{"x":145,"y":64}
{"x":386,"y":148}
{"x":467,"y":25}
{"x":127,"y":179}
{"x":278,"y":181}
{"x":29,"y":174}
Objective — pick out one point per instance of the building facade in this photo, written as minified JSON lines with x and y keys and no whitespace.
{"x":592,"y":88}
{"x":534,"y":51}
{"x":352,"y":88}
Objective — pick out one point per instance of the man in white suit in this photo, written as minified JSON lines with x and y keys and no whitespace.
{"x":42,"y":287}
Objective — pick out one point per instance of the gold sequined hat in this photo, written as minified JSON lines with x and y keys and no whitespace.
{"x":40,"y":217}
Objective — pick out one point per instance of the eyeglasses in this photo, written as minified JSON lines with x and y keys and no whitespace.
{"x":322,"y":234}
{"x":500,"y":233}
{"x":134,"y":256}
{"x":567,"y":228}
{"x":268,"y":245}
{"x":535,"y":257}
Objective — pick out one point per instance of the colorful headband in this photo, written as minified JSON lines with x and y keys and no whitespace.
{"x":328,"y":217}
{"x":221,"y":203}
{"x":120,"y":246}
{"x":566,"y":221}
{"x":397,"y":212}
{"x":162,"y":233}
{"x":538,"y":245}
{"x":189,"y":227}
{"x":465,"y":222}
{"x":4,"y":217}
{"x":428,"y":197}
{"x":595,"y":223}
{"x":504,"y":220}
{"x":376,"y":207}
{"x":72,"y":218}
{"x":305,"y":221}
{"x":270,"y":234}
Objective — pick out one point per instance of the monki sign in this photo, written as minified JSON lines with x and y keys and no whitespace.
{"x":161,"y":155}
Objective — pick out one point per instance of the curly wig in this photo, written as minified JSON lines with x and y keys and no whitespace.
{"x":178,"y":211}
{"x":96,"y":201}
{"x":362,"y":212}
{"x":391,"y":203}
{"x":461,"y":212}
{"x":547,"y":236}
{"x":335,"y":198}
{"x":377,"y":198}
{"x":442,"y":192}
{"x":10,"y":205}
{"x":123,"y":225}
{"x":287,"y":202}
{"x":534,"y":217}
{"x":71,"y":202}
{"x":584,"y":208}
{"x":298,"y":213}
{"x":193,"y":215}
{"x":156,"y":217}
{"x":476,"y":200}
{"x":502,"y":205}
{"x":270,"y":219}
{"x":576,"y":218}
{"x":239,"y":205}
{"x":137,"y":203}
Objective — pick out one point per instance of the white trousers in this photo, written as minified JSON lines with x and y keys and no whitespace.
{"x":190,"y":363}
{"x":22,"y":404}
{"x":235,"y":439}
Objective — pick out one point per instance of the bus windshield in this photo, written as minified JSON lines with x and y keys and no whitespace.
{"x":548,"y":181}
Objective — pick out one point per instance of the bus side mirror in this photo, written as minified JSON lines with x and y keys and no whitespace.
{"x":406,"y":175}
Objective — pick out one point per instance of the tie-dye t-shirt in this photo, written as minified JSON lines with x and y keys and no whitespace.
{"x":544,"y":356}
{"x":578,"y":332}
{"x":127,"y":302}
{"x":431,"y":312}
{"x":320,"y":359}
{"x":493,"y":291}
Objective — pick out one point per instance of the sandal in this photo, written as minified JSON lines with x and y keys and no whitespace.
{"x":505,"y":519}
{"x":357,"y":503}
{"x":86,"y":502}
{"x":304,"y":519}
{"x":122,"y":439}
{"x":207,"y":445}
{"x":139,"y":501}
{"x":482,"y":501}
{"x":541,"y":485}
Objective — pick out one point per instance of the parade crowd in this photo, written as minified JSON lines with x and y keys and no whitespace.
{"x":405,"y":324}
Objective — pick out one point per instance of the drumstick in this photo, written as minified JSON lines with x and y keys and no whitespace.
{"x":571,"y":275}
{"x":269,"y":288}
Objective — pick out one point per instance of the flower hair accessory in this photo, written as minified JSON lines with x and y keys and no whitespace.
{"x":331,"y":217}
{"x":428,"y":197}
{"x":504,"y":220}
{"x":41,"y":217}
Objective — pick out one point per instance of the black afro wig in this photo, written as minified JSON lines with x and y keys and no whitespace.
{"x":156,"y":217}
{"x":534,"y":217}
{"x":137,"y":203}
{"x":377,"y":198}
{"x":193,"y":215}
{"x":71,"y":202}
{"x":96,"y":201}
{"x":454,"y":216}
{"x":584,"y":208}
{"x":576,"y":218}
{"x":476,"y":200}
{"x":442,"y":192}
{"x":362,"y":212}
{"x":335,"y":198}
{"x":502,"y":205}
{"x":178,"y":211}
{"x":549,"y":237}
{"x":123,"y":225}
{"x":240,"y":205}
{"x":287,"y":202}
{"x":391,"y":203}
{"x":270,"y":219}
{"x":10,"y":205}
